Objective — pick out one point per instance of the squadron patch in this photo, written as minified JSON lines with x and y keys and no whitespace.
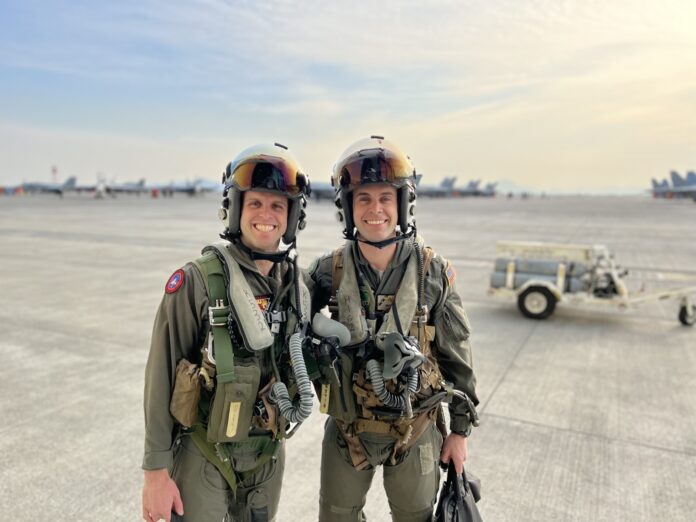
{"x":175,"y":282}
{"x":451,"y":274}
{"x":263,"y":301}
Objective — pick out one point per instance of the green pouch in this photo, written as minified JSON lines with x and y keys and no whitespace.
{"x":341,"y":397}
{"x":233,"y":405}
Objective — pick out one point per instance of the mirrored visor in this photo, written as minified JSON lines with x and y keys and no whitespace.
{"x":270,"y":173}
{"x":375,"y":166}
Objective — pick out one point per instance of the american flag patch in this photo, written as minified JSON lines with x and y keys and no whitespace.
{"x":451,"y":274}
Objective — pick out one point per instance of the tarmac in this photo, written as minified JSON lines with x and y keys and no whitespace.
{"x":587,"y":416}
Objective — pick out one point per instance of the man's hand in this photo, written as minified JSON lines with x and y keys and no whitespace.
{"x":160,"y":496}
{"x":455,"y":448}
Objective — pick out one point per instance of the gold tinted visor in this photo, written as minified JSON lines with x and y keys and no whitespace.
{"x":270,"y":173}
{"x":375,"y":166}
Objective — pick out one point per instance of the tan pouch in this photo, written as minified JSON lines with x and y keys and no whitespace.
{"x":233,"y":406}
{"x":186,"y":394}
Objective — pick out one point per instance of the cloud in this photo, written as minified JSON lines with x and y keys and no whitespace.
{"x":521,"y":86}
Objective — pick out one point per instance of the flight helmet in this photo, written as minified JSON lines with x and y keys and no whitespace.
{"x":268,"y":168}
{"x":374,"y":160}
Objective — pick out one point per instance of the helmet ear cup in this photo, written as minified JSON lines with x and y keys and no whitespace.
{"x":295,"y":217}
{"x":234,"y":211}
{"x":345,"y":209}
{"x":406,"y":200}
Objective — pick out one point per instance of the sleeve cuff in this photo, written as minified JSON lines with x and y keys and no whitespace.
{"x":460,"y":424}
{"x":158,"y":460}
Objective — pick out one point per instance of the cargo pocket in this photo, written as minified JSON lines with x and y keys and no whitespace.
{"x":233,"y":406}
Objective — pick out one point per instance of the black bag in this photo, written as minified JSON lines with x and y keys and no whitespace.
{"x":458,"y":497}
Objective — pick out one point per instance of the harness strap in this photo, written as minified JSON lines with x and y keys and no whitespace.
{"x":336,"y":270}
{"x":405,"y":433}
{"x":219,"y":455}
{"x":199,"y":437}
{"x":219,"y":313}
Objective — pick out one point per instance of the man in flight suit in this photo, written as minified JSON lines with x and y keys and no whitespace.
{"x":220,"y":336}
{"x":409,"y":346}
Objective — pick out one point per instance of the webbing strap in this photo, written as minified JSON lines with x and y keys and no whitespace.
{"x":269,"y":450}
{"x":218,"y":315}
{"x":336,"y":270}
{"x":200,"y":438}
{"x":428,"y":254}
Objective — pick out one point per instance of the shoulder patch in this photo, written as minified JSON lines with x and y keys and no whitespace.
{"x":175,"y":282}
{"x":451,"y":274}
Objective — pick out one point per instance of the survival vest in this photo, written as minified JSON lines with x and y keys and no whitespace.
{"x":235,"y":416}
{"x":357,"y":408}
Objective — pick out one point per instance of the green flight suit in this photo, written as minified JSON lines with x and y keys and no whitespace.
{"x":411,"y":481}
{"x":180,"y":330}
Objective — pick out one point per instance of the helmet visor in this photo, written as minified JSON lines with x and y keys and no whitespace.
{"x":375,"y":166}
{"x":270,"y":173}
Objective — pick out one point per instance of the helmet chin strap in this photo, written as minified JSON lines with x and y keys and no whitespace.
{"x":255,"y":255}
{"x":389,"y":241}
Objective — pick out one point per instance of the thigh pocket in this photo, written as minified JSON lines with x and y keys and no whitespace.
{"x":233,"y":406}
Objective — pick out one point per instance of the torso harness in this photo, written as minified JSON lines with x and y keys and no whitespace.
{"x":235,"y":415}
{"x":387,"y":381}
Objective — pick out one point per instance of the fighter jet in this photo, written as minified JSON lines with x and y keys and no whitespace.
{"x":37,"y":187}
{"x":680,"y":188}
{"x":443,"y":190}
{"x":191,"y":188}
{"x":489,"y":190}
{"x":660,"y":189}
{"x":471,"y":189}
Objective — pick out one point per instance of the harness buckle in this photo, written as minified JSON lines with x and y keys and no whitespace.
{"x":218,"y":314}
{"x":275,"y":318}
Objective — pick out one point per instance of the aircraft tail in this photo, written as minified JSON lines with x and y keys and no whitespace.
{"x":677,"y":180}
{"x":70,"y":183}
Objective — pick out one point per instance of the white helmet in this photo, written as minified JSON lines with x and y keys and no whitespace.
{"x":268,"y":168}
{"x":374,"y":160}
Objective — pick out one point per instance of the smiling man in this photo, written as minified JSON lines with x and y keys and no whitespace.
{"x":409,"y":348}
{"x":217,"y":407}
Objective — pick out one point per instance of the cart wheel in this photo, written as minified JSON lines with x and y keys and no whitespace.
{"x":687,"y":317}
{"x":536,"y":302}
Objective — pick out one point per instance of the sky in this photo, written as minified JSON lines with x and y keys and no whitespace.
{"x":596,"y":96}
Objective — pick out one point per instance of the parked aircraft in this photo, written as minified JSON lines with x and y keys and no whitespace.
{"x":443,"y":190}
{"x":37,"y":187}
{"x":680,"y":187}
{"x":471,"y":189}
{"x":489,"y":190}
{"x":191,"y":188}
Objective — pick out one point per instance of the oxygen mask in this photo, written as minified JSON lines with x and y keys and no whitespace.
{"x":400,"y":353}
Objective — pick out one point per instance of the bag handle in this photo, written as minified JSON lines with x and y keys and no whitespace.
{"x":457,"y":482}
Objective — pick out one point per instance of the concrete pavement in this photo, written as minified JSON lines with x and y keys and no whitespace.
{"x":589,"y":415}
